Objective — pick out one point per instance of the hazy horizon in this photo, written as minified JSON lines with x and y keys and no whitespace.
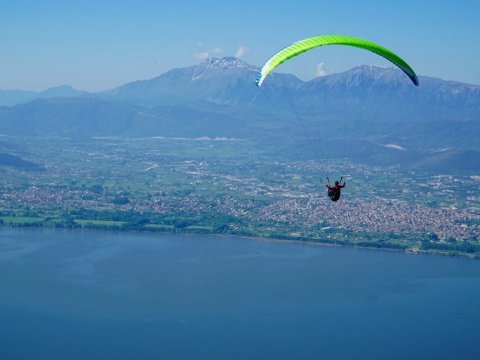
{"x":96,"y":46}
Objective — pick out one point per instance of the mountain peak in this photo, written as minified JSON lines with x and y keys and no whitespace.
{"x":366,"y":75}
{"x":227,"y":62}
{"x":61,"y":90}
{"x":374,"y":72}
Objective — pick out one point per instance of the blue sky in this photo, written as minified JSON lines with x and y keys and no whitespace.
{"x":96,"y":45}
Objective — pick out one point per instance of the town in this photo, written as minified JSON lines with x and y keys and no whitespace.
{"x":222,"y":186}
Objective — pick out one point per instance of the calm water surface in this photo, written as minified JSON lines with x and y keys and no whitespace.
{"x":99,"y":295}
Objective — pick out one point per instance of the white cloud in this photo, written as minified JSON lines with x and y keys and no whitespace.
{"x":203,"y":54}
{"x":241,"y":51}
{"x":321,"y":70}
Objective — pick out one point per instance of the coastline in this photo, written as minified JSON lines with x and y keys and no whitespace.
{"x":285,"y":239}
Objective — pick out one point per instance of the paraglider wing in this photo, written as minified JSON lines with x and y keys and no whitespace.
{"x":313,"y":42}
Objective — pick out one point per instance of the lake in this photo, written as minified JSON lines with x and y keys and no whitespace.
{"x":108,"y":295}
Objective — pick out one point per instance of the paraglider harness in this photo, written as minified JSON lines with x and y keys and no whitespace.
{"x":334,"y":195}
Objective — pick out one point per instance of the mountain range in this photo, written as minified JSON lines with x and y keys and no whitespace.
{"x":16,"y":97}
{"x":368,"y":113}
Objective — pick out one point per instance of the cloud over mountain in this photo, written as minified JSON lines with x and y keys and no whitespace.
{"x":360,"y":112}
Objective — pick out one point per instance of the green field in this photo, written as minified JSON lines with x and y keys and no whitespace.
{"x":237,"y":187}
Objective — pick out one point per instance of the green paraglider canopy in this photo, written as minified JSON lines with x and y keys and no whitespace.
{"x":313,"y":42}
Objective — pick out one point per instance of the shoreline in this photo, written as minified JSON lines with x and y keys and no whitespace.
{"x":268,"y":239}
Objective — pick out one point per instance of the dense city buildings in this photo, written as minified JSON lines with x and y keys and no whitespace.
{"x":128,"y":185}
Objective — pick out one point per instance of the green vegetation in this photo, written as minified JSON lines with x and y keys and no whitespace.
{"x":237,"y":187}
{"x":22,"y":220}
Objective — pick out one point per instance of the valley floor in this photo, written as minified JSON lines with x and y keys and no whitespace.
{"x":213,"y":186}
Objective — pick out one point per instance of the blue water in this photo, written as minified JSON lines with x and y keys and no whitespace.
{"x":99,"y":295}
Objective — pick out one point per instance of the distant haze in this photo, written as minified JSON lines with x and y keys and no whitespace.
{"x":98,"y":45}
{"x":368,"y":113}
